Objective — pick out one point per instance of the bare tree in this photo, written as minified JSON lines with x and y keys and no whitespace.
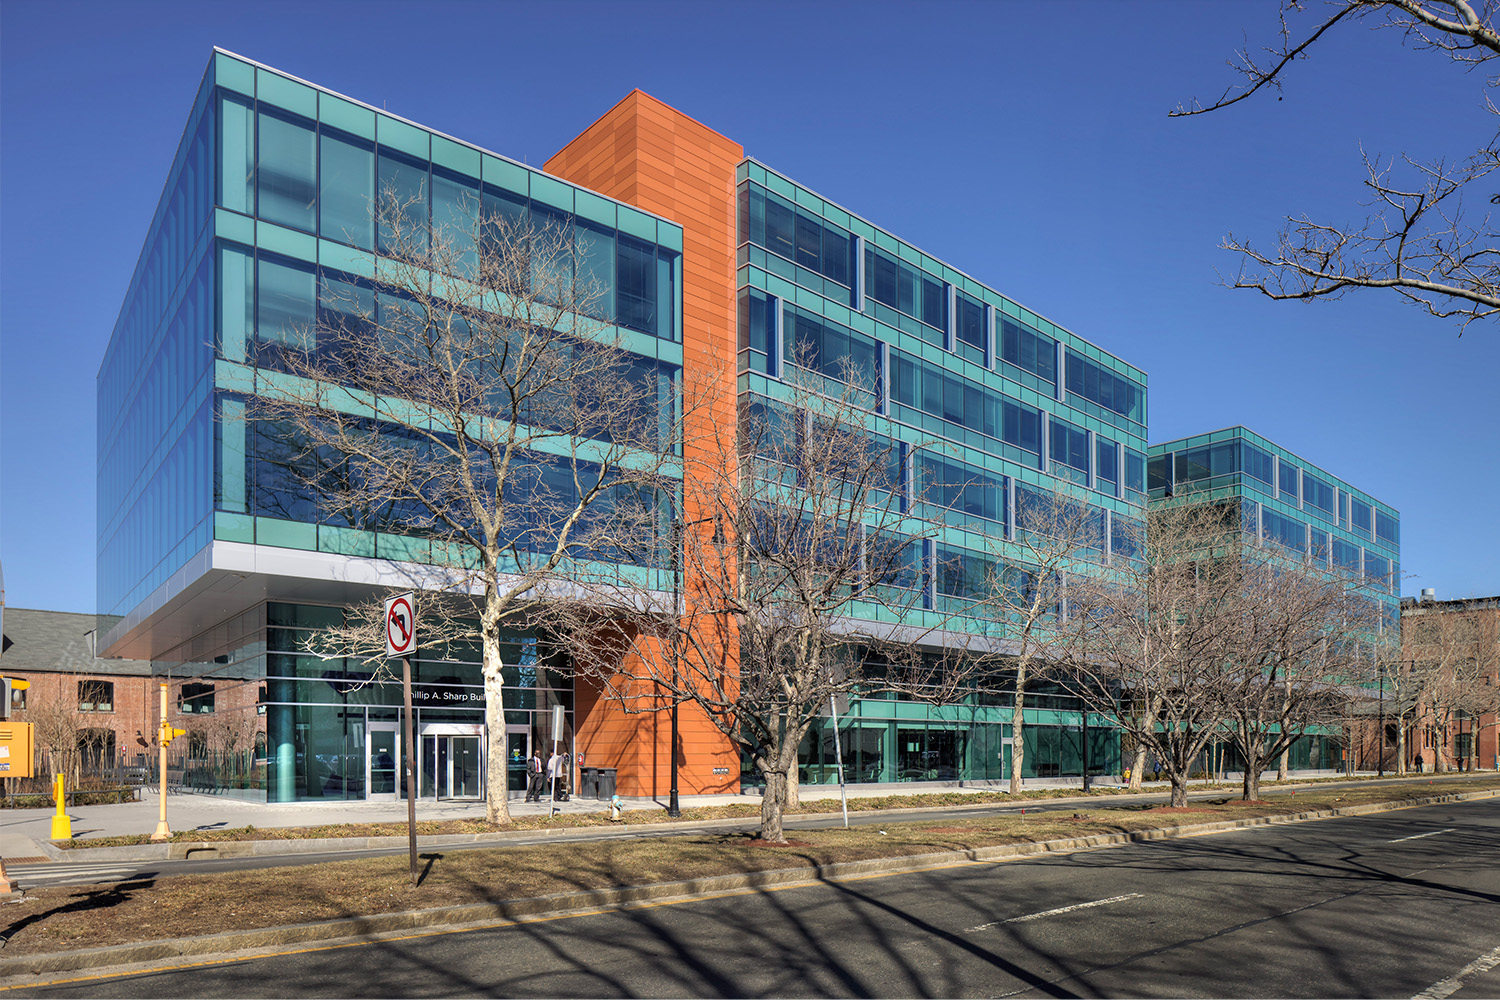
{"x":1057,"y":535}
{"x":791,"y":545}
{"x":469,"y":395}
{"x":1155,"y":636}
{"x":1301,"y":647}
{"x":1419,"y":238}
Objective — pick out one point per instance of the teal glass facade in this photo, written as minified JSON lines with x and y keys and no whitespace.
{"x":1287,"y":501}
{"x":155,"y":412}
{"x":265,"y":227}
{"x":268,"y":227}
{"x":1013,"y":402}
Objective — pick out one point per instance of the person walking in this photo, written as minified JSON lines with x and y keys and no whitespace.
{"x":554,"y":771}
{"x":534,"y":777}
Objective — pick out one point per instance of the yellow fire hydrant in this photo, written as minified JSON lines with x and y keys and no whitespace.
{"x":62,"y":825}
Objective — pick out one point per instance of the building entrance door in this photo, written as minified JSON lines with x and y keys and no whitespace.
{"x":517,"y":751}
{"x":452,"y":761}
{"x":382,"y":761}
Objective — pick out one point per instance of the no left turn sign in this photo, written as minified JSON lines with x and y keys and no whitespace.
{"x":400,"y":625}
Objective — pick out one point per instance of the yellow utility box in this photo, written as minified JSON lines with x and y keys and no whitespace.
{"x":16,"y":754}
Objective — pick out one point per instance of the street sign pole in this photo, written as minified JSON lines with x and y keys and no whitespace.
{"x":557,"y":724}
{"x":401,"y":640}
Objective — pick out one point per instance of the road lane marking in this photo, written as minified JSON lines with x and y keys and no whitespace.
{"x":1444,"y":988}
{"x":1053,"y":913}
{"x":1419,"y":836}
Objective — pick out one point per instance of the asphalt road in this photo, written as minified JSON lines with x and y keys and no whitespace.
{"x":87,"y":872}
{"x":1389,"y":905}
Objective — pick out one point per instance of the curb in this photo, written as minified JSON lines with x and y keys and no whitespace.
{"x":514,"y":909}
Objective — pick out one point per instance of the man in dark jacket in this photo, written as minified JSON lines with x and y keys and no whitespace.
{"x":536,"y":779}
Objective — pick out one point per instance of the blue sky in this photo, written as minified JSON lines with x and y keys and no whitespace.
{"x":1027,"y":144}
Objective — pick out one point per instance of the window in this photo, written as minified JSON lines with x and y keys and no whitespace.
{"x":757,"y":328}
{"x":1256,"y":462}
{"x":1346,"y":555}
{"x":1317,"y":493}
{"x":1283,"y":530}
{"x":286,"y":298}
{"x":1387,"y":527}
{"x":968,"y":404}
{"x":1021,"y":426}
{"x":96,"y":696}
{"x":288,"y":172}
{"x":18,"y":699}
{"x":1377,"y":570}
{"x":826,"y":347}
{"x":348,"y":191}
{"x":971,"y":326}
{"x":1069,"y":445}
{"x":774,"y":223}
{"x":960,"y":488}
{"x":196,"y":699}
{"x":905,"y":288}
{"x":403,"y":204}
{"x":1287,"y":482}
{"x":1107,"y":466}
{"x":1359,"y":517}
{"x":1028,"y":350}
{"x":1320,"y":547}
{"x":644,"y":294}
{"x":1100,"y":385}
{"x":1158,"y":473}
{"x":1127,"y":536}
{"x":1135,"y":471}
{"x":1198,"y":464}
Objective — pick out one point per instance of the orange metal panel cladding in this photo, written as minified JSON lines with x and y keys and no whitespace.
{"x":649,"y":154}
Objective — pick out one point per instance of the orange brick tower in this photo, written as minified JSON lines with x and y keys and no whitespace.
{"x":652,"y":156}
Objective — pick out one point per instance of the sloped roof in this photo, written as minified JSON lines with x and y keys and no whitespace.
{"x":59,"y":641}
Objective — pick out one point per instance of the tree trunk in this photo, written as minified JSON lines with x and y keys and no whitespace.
{"x":791,"y":802}
{"x":1281,"y":766}
{"x":1017,"y":725}
{"x":772,"y":804}
{"x":1137,"y":765}
{"x":497,"y":787}
{"x":1400,"y":747}
{"x":1250,"y":787}
{"x":1179,"y":790}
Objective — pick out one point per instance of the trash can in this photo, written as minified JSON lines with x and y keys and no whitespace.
{"x":607,"y":782}
{"x":589,"y":785}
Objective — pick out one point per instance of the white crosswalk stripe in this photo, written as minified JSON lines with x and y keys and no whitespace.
{"x":36,"y":876}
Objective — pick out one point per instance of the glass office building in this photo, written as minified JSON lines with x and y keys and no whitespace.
{"x":219,"y":567}
{"x":216,"y":562}
{"x":1305,"y":512}
{"x":990,"y":403}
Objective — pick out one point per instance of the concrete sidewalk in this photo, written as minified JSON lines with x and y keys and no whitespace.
{"x":23,"y":830}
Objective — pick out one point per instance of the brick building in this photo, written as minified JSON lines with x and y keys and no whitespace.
{"x":1451,"y":652}
{"x":99,"y":711}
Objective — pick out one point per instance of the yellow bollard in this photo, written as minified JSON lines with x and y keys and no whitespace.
{"x":62,"y":824}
